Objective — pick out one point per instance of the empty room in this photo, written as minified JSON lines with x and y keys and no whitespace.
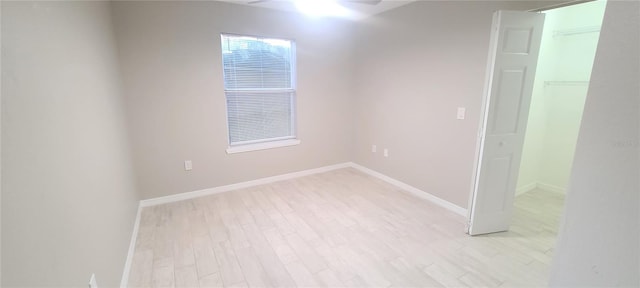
{"x":320,"y":143}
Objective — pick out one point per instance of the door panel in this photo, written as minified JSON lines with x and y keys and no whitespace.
{"x":508,"y":100}
{"x":517,"y":40}
{"x":499,"y":169}
{"x":515,"y":43}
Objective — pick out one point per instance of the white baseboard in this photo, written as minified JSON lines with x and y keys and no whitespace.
{"x":551,"y":188}
{"x":132,"y":247}
{"x":413,"y":190}
{"x":236,"y":186}
{"x":216,"y":190}
{"x":195,"y":194}
{"x":539,"y":185}
{"x":526,"y":188}
{"x":220,"y":189}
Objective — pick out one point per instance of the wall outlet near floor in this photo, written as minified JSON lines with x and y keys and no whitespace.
{"x":386,"y":152}
{"x":188,"y":165}
{"x":92,"y":281}
{"x":374,"y":148}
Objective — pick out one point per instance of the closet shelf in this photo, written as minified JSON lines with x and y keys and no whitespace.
{"x":566,"y":83}
{"x":576,"y":31}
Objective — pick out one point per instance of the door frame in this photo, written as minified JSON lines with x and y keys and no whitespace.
{"x":483,"y":122}
{"x":477,"y":161}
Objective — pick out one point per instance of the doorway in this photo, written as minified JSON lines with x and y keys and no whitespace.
{"x":567,"y":50}
{"x":535,"y":163}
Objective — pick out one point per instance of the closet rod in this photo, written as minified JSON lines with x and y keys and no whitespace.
{"x":576,"y":31}
{"x":565,"y":83}
{"x":560,"y":5}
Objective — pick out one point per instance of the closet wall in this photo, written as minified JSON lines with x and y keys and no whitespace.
{"x":569,"y":43}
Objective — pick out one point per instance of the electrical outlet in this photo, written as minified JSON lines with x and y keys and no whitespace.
{"x":386,"y":152}
{"x":188,"y":165}
{"x":374,"y":148}
{"x":92,"y":281}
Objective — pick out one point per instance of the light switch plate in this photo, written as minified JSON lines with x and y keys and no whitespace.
{"x":188,"y":165}
{"x":461,"y":113}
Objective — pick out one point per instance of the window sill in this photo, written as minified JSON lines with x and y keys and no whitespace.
{"x":262,"y":146}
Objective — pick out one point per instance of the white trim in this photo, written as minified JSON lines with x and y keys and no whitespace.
{"x":258,"y":141}
{"x":415,"y":191}
{"x":551,"y":188}
{"x":262,"y":146}
{"x":132,"y":247}
{"x":484,"y":116}
{"x":227,"y":188}
{"x":221,"y":189}
{"x":236,"y":186}
{"x":92,"y":281}
{"x":526,"y":188}
{"x":542,"y":186}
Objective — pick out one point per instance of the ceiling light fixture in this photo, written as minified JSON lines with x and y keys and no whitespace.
{"x":321,"y":8}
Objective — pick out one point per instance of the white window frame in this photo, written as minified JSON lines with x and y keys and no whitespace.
{"x":269,"y":143}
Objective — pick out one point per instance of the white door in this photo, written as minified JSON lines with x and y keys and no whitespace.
{"x":513,"y":55}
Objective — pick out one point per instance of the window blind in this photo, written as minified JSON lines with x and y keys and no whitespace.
{"x":259,"y":88}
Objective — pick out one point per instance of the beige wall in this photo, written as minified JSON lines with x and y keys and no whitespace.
{"x":598,"y":243}
{"x":415,"y":66}
{"x":68,"y":196}
{"x":171,"y":64}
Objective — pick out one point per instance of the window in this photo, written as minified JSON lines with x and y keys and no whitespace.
{"x":259,"y":84}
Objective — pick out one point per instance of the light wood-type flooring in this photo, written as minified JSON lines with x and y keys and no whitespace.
{"x":338,"y":229}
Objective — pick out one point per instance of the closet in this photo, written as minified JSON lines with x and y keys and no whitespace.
{"x":569,"y":42}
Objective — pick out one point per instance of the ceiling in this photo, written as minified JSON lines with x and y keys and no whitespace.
{"x":358,"y":10}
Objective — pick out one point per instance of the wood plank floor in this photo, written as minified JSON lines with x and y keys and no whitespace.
{"x":338,"y":229}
